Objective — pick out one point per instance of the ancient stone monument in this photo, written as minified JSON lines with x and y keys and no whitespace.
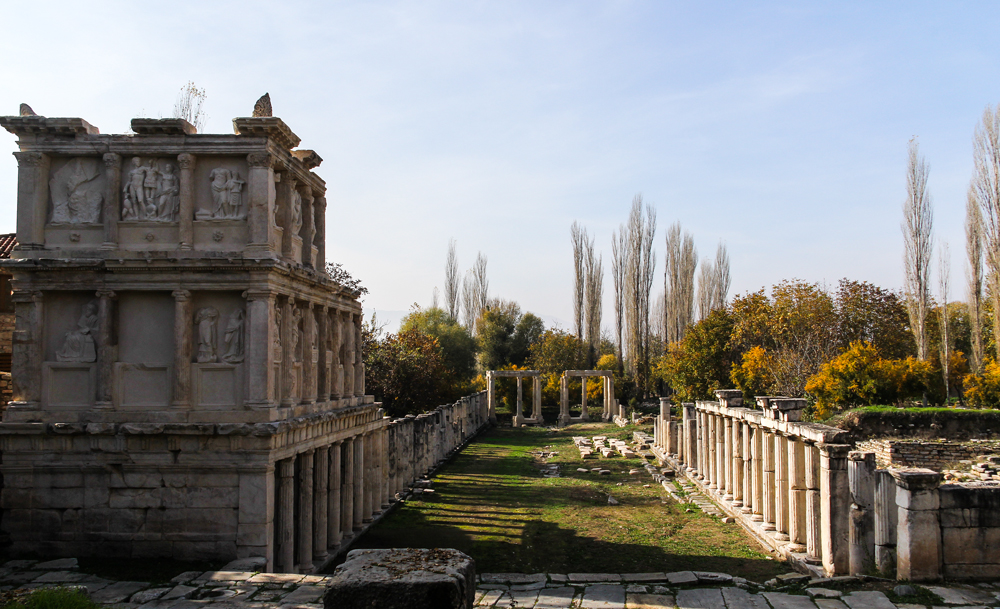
{"x":187,"y":379}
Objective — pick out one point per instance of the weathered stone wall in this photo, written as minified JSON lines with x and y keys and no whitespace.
{"x":932,"y":454}
{"x":970,"y":531}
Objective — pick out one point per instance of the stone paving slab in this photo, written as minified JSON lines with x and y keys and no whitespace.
{"x":524,"y":598}
{"x":555,"y":598}
{"x":833,"y":603}
{"x":780,"y":600}
{"x":868,"y":600}
{"x":643,"y":577}
{"x":679,"y":578}
{"x":649,"y":601}
{"x":602,"y":596}
{"x":737,"y":598}
{"x":700,"y":598}
{"x":490,"y":598}
{"x":595,"y":577}
{"x":117,"y":592}
{"x":963,"y":596}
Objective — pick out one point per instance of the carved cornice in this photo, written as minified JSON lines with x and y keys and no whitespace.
{"x":270,"y":127}
{"x":40,"y":125}
{"x":162,"y":126}
{"x":308,"y":158}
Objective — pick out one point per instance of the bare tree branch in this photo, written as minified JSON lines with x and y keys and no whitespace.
{"x":974,"y":254}
{"x":452,"y":282}
{"x":918,"y":221}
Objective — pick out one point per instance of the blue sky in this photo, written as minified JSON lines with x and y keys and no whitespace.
{"x":779,"y":128}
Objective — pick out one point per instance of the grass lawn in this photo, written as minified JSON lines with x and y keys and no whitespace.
{"x":493,"y":503}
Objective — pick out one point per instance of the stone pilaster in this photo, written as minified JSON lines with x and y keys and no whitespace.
{"x":323,"y":365}
{"x":286,"y":509}
{"x":320,"y":223}
{"x":112,"y":199}
{"x":288,"y":327}
{"x":321,"y":496}
{"x":183,"y":334}
{"x":796,"y":495}
{"x":835,"y":497}
{"x":814,"y":510}
{"x":308,"y":228}
{"x":334,"y":504}
{"x":309,"y":349}
{"x":359,"y":360}
{"x":861,"y":479}
{"x":32,"y":199}
{"x":305,"y":523}
{"x":260,"y":335}
{"x":886,"y":521}
{"x":106,"y":352}
{"x":337,"y":368}
{"x":185,"y":218}
{"x":262,"y":200}
{"x":918,"y":543}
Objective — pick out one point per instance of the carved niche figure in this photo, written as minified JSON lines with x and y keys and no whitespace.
{"x":234,"y":338}
{"x":205,"y":319}
{"x":150,"y":194}
{"x":296,"y":220}
{"x":227,"y":196}
{"x":78,"y":345}
{"x":296,"y":334}
{"x":76,"y":194}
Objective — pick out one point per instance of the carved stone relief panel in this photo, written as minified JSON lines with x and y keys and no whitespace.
{"x":221,"y":189}
{"x":76,"y":191}
{"x":204,"y":321}
{"x":150,"y":190}
{"x":219,"y":328}
{"x":71,"y":327}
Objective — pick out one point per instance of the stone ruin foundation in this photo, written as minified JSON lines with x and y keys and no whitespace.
{"x":188,"y":381}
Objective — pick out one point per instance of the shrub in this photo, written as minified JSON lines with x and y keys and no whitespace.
{"x":753,"y":376}
{"x":983,"y":389}
{"x":54,"y":598}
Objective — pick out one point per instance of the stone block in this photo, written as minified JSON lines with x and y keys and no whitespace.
{"x":252,"y":534}
{"x":135,"y":498}
{"x":971,"y":545}
{"x":403,"y":578}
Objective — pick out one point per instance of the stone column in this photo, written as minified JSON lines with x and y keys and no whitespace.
{"x":814,"y":510}
{"x":183,"y":331}
{"x":321,"y":496}
{"x":287,"y":353}
{"x":347,"y":328}
{"x":564,"y":415}
{"x":702,"y":466}
{"x":662,"y":440}
{"x":536,"y":400}
{"x":757,"y":450}
{"x":491,"y":396}
{"x":112,"y":199}
{"x":747,"y":475}
{"x":185,"y":221}
{"x":308,"y":227}
{"x":105,"y":350}
{"x":690,"y":418}
{"x":323,"y":366}
{"x":359,"y":358}
{"x":583,"y":399}
{"x":305,"y":524}
{"x":320,"y":223}
{"x":796,"y":495}
{"x":32,"y":199}
{"x":388,"y":471}
{"x":736,"y":466}
{"x":261,"y":203}
{"x":26,"y":362}
{"x":518,"y":412}
{"x":371,"y":475}
{"x":769,"y":483}
{"x":781,"y":487}
{"x":359,"y":481}
{"x":835,"y":497}
{"x":861,"y":535}
{"x":333,"y":504}
{"x":347,"y":490}
{"x":259,"y":354}
{"x":309,"y":364}
{"x":714,"y":451}
{"x":286,"y":524}
{"x":918,"y":541}
{"x":886,"y":519}
{"x":726,"y":426}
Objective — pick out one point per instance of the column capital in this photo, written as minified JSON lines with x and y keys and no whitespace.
{"x":261,"y":159}
{"x":256,"y":294}
{"x":112,"y":160}
{"x":286,"y":467}
{"x":30,"y":159}
{"x":105,"y":294}
{"x":181,"y":295}
{"x":186,"y":160}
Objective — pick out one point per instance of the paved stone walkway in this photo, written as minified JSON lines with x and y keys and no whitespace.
{"x":714,"y":591}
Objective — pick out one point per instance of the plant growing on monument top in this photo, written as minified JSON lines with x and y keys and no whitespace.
{"x":339,"y":274}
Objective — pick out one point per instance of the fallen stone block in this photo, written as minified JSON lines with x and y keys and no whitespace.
{"x":402,"y":578}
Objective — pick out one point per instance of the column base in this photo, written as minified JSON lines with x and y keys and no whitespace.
{"x":727,"y":497}
{"x":320,"y":557}
{"x":781,"y":536}
{"x":737,"y":503}
{"x":308,"y":568}
{"x":746,"y":510}
{"x":109,"y":245}
{"x":813,"y":560}
{"x":768,"y":526}
{"x":366,"y":521}
{"x":798,"y":548}
{"x":757,"y":518}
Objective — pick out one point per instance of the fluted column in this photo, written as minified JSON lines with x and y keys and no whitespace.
{"x":183,"y":329}
{"x":309,"y":344}
{"x":814,"y":515}
{"x":861,"y":478}
{"x":320,"y":212}
{"x":726,"y":428}
{"x":105,"y":350}
{"x":337,"y":367}
{"x":745,"y":434}
{"x":185,"y":220}
{"x":369,"y":473}
{"x":347,"y":490}
{"x":321,"y":496}
{"x":32,"y":199}
{"x":308,"y":232}
{"x":323,"y":350}
{"x":757,"y":473}
{"x":796,"y":495}
{"x":112,"y":199}
{"x":333,"y":504}
{"x":714,"y":450}
{"x":835,"y":497}
{"x":781,"y":487}
{"x":359,"y":481}
{"x":736,"y":465}
{"x":690,"y":416}
{"x":286,"y":524}
{"x":347,"y":325}
{"x":261,"y":205}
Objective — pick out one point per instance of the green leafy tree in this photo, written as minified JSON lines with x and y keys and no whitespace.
{"x":868,"y":313}
{"x":505,"y":336}
{"x":458,"y":347}
{"x":701,"y":363}
{"x":404,"y":371}
{"x":555,"y":352}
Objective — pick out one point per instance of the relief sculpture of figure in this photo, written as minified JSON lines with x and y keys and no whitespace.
{"x":169,"y":195}
{"x":234,"y":338}
{"x":296,"y":335}
{"x":150,"y":186}
{"x":205,"y":320}
{"x":227,"y":196}
{"x":235,"y":197}
{"x":296,"y":212}
{"x":135,"y":200}
{"x":76,"y":194}
{"x":79,"y":344}
{"x":220,"y":191}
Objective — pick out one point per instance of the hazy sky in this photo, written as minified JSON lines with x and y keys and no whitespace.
{"x":779,"y":128}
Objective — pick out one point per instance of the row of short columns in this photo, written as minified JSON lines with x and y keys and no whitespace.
{"x":325,"y":496}
{"x":795,"y":488}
